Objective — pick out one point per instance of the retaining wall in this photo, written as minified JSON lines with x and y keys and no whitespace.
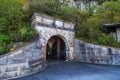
{"x":25,"y":60}
{"x":91,"y":53}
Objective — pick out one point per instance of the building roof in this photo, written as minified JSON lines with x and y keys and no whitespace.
{"x":111,"y":25}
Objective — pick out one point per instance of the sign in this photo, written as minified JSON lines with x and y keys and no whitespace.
{"x":58,"y":23}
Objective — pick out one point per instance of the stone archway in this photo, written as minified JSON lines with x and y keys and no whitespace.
{"x":56,"y":48}
{"x":48,"y":27}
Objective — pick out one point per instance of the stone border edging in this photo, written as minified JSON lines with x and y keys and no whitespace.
{"x":45,"y":66}
{"x":98,"y":64}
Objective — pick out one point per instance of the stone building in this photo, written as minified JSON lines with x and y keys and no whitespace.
{"x":56,"y":36}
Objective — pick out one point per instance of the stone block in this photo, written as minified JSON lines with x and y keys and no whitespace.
{"x":29,"y":54}
{"x":36,"y":54}
{"x":12,"y":68}
{"x":29,"y":48}
{"x":10,"y":74}
{"x":10,"y":60}
{"x":23,"y":66}
{"x":21,"y":69}
{"x":2,"y":75}
{"x":35,"y":61}
{"x":3,"y":68}
{"x":17,"y":60}
{"x":37,"y":68}
{"x":26,"y":71}
{"x":29,"y":59}
{"x":20,"y":73}
{"x":20,"y":55}
{"x":3,"y":60}
{"x":0,"y":69}
{"x":26,"y":65}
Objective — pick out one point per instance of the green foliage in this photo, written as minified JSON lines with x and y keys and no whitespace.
{"x":15,"y":20}
{"x":108,"y":40}
{"x":93,"y":24}
{"x":13,"y":24}
{"x":89,"y":23}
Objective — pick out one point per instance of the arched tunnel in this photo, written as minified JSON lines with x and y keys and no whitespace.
{"x":55,"y":49}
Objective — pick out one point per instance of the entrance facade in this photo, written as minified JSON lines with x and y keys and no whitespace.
{"x":56,"y":49}
{"x":56,"y":37}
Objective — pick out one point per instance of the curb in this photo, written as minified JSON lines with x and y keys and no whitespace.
{"x":44,"y":67}
{"x":114,"y":65}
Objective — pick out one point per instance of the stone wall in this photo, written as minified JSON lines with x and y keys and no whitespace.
{"x":32,"y":57}
{"x":91,"y":53}
{"x":48,"y":27}
{"x":25,"y":60}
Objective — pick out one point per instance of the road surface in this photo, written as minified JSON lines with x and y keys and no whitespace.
{"x":75,"y":71}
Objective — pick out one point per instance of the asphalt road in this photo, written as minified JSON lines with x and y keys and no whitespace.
{"x":75,"y":71}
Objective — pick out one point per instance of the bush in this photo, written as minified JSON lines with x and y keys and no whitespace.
{"x":108,"y":40}
{"x":13,"y":24}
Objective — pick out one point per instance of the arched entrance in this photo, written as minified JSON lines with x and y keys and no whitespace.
{"x":56,"y":49}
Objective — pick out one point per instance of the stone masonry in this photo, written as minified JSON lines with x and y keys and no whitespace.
{"x":23,"y":61}
{"x":32,"y":57}
{"x":91,"y":53}
{"x":47,"y":27}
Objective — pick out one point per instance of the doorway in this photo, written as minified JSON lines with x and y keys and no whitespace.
{"x":55,"y":49}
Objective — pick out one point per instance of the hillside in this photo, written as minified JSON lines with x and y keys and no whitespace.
{"x":15,"y":19}
{"x":15,"y":25}
{"x":89,"y":22}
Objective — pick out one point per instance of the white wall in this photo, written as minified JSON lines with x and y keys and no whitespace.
{"x":118,"y":34}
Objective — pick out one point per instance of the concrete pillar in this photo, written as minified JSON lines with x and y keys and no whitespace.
{"x":67,"y":54}
{"x":58,"y":48}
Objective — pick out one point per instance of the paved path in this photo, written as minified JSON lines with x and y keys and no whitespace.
{"x":75,"y":71}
